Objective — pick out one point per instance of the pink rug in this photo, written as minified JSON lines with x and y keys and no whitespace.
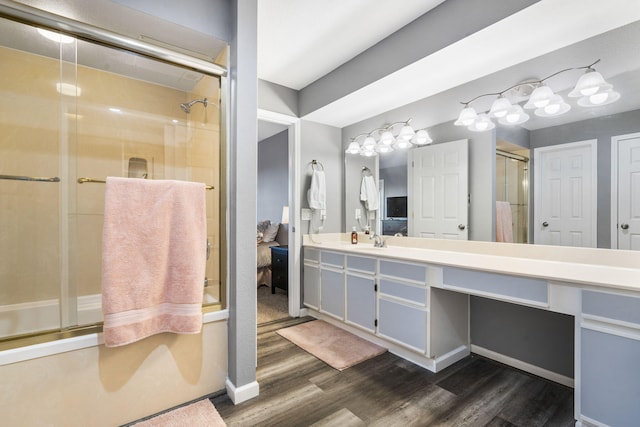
{"x":199,"y":414}
{"x":334,"y":346}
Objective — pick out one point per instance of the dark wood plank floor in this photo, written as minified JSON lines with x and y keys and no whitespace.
{"x":296,"y":389}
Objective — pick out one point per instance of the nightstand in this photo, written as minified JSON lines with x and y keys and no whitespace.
{"x":279,"y":268}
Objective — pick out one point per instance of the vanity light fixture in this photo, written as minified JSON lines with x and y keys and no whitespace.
{"x":591,"y":89}
{"x":387,"y":142}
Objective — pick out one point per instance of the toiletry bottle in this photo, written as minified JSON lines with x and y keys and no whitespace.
{"x":367,"y":230}
{"x":354,"y":236}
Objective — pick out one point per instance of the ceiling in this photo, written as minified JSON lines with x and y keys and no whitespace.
{"x":300,"y":41}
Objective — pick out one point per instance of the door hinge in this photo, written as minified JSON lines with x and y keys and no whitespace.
{"x":375,"y":323}
{"x":375,"y":287}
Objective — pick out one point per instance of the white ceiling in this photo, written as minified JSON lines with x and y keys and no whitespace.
{"x":300,"y":41}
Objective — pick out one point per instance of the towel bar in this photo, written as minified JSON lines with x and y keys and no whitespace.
{"x":102,"y":181}
{"x":30,"y":178}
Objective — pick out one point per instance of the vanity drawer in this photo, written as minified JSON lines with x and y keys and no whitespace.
{"x":405,"y":291}
{"x":521,"y":289}
{"x":311,"y":254}
{"x":611,"y":306}
{"x":333,"y":259}
{"x":402,"y":270}
{"x":363,"y":264}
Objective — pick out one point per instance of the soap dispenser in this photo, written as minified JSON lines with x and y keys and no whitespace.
{"x":354,"y":236}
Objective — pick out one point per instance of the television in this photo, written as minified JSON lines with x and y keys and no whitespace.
{"x":397,"y":207}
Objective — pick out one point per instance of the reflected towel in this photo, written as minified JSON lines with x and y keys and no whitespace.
{"x":317,"y":193}
{"x":153,"y":258}
{"x":504,"y":226}
{"x":369,"y":193}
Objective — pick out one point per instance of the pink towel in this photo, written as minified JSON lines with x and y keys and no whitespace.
{"x":504,"y":226}
{"x":153,"y":258}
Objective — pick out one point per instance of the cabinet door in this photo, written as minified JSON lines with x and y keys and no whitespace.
{"x":332,"y":292}
{"x":311,"y":287}
{"x":610,"y":383}
{"x":361,"y":301}
{"x":403,"y":323}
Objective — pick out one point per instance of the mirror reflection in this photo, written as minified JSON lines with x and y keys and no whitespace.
{"x":563,"y":175}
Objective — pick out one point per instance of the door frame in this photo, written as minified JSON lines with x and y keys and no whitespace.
{"x":537,"y":163}
{"x":615,"y":147}
{"x":294,"y":236}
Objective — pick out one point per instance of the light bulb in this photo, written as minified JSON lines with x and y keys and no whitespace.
{"x":589,"y":91}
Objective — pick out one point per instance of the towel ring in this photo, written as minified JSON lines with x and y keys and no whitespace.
{"x":314,"y":163}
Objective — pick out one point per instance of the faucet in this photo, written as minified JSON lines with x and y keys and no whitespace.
{"x":378,"y":241}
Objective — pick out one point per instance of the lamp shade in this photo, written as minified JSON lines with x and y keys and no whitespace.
{"x":540,"y":97}
{"x":589,"y":83}
{"x":369,"y":143}
{"x":401,"y":144}
{"x":422,"y":137}
{"x":383,"y":148}
{"x":599,"y":98}
{"x":285,"y":215}
{"x":500,"y":107}
{"x":514,"y":116}
{"x":555,"y":107}
{"x":386,"y":138}
{"x":353,"y":148}
{"x":406,"y":133}
{"x":467,"y":116}
{"x":481,"y":124}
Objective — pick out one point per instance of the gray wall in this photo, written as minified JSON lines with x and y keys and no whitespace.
{"x":395,"y":180}
{"x":273,"y":176}
{"x":322,"y":143}
{"x":277,"y":98}
{"x":538,"y":337}
{"x":446,"y":24}
{"x":602,"y":129}
{"x":241,"y":197}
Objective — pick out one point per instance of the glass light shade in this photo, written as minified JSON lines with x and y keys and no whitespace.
{"x":369,"y":143}
{"x":369,"y":152}
{"x":589,"y":83}
{"x":353,"y":148}
{"x":406,"y":133}
{"x":56,"y":37}
{"x":540,"y":97}
{"x":599,"y":98}
{"x":386,"y":138}
{"x":422,"y":137}
{"x":481,"y":124}
{"x":467,"y":116}
{"x":285,"y":215}
{"x":514,"y":116}
{"x":402,"y":144}
{"x":499,"y":107}
{"x":383,"y":148}
{"x":556,"y":107}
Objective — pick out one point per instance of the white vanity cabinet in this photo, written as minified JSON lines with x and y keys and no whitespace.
{"x":392,"y":302}
{"x":609,"y":359}
{"x":361,"y":292}
{"x":402,"y":304}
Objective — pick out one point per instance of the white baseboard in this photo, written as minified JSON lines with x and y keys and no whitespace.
{"x":524,"y":366}
{"x":242,"y":393}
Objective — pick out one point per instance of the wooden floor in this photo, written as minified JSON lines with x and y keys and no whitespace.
{"x":296,"y":389}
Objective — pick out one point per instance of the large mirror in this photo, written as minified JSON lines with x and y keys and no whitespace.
{"x":502,"y":161}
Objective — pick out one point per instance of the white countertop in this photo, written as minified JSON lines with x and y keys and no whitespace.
{"x":616,"y":269}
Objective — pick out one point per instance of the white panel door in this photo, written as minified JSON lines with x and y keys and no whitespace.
{"x":629,"y":194}
{"x":565,"y":194}
{"x":438,"y":182}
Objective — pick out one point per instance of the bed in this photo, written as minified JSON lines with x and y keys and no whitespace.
{"x":268,"y":234}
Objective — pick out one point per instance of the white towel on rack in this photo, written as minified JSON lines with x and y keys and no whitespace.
{"x":369,"y":193}
{"x":504,"y":231}
{"x":317,"y":193}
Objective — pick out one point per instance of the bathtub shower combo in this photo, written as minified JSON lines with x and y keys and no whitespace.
{"x":73,"y":113}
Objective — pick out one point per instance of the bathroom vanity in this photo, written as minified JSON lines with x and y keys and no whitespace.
{"x":413,"y":298}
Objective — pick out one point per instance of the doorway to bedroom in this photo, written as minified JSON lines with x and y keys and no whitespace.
{"x":272,"y":229}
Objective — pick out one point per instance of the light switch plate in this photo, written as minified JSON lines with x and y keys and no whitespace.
{"x":305,"y":214}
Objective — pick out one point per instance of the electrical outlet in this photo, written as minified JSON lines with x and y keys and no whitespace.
{"x":358,"y":213}
{"x":305,"y":214}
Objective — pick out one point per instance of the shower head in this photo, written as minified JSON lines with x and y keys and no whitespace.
{"x":186,"y":107}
